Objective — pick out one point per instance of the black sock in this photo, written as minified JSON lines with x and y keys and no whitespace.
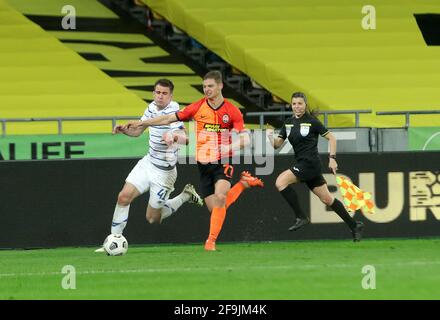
{"x":292,"y":199}
{"x":339,"y":208}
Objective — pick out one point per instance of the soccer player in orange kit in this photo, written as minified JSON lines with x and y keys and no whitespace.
{"x":216,"y":118}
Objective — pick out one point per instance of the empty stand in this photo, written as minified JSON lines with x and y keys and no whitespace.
{"x":40,"y":77}
{"x":321,"y":48}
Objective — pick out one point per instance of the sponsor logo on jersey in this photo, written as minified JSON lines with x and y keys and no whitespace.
{"x":213,"y":128}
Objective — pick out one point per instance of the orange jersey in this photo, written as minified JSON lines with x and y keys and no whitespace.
{"x":213,"y":127}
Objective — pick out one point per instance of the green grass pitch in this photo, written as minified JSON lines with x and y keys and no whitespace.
{"x":404,"y":269}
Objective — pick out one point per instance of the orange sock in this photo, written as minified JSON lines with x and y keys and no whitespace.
{"x":217,"y":217}
{"x":234,"y":193}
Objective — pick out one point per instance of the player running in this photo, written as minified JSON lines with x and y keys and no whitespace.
{"x":216,"y":118}
{"x":156,"y":172}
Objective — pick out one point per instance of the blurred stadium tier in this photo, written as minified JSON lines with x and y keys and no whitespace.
{"x":321,"y":48}
{"x":317,"y":48}
{"x":41,"y":77}
{"x":105,"y":67}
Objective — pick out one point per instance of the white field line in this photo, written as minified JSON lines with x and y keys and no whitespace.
{"x":243,"y":268}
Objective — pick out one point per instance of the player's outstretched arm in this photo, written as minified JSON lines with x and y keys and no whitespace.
{"x":128,"y":129}
{"x":157,"y":121}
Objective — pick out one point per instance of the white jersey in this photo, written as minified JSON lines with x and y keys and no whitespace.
{"x":160,"y":153}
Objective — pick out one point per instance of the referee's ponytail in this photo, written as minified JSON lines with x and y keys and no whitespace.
{"x":312,"y":112}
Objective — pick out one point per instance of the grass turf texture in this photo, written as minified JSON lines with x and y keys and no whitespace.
{"x":405,"y":269}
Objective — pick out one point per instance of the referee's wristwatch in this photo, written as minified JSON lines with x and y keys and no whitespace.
{"x":333,"y":156}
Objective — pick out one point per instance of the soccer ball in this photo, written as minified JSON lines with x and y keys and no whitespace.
{"x":115,"y":245}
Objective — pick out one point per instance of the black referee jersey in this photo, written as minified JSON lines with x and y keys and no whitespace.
{"x":303,"y":134}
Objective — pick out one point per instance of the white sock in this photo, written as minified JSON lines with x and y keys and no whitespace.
{"x":120,"y":217}
{"x":172,"y":205}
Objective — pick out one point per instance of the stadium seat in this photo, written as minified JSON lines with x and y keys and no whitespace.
{"x":40,"y":77}
{"x":324,"y":50}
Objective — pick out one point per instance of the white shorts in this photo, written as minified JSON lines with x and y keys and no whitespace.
{"x":146,"y":176}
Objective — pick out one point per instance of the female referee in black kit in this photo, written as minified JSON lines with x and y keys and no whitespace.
{"x":304,"y":131}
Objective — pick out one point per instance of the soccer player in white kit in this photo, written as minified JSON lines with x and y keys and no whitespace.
{"x":156,"y":172}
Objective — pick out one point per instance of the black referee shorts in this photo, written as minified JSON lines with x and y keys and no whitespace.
{"x":210,"y":173}
{"x":309,"y":173}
